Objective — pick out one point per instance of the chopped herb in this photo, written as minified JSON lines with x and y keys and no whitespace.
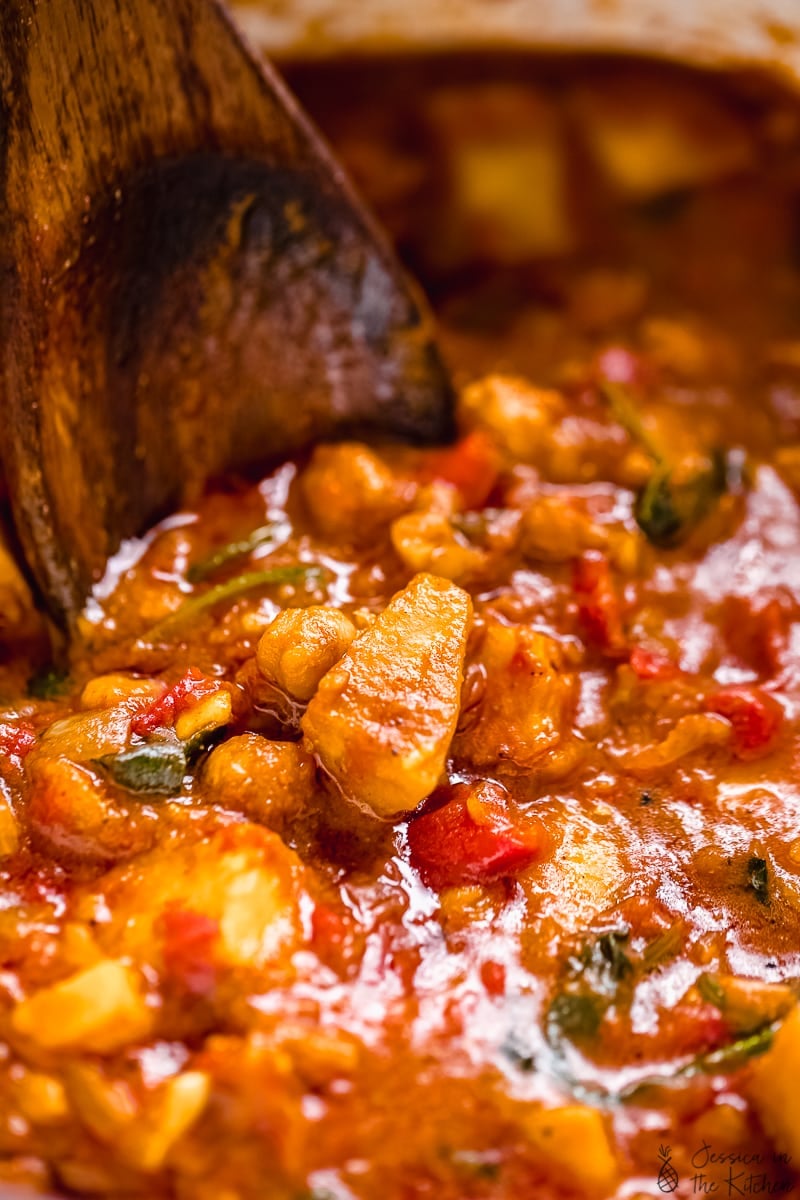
{"x":480,"y":1164}
{"x":758,"y":879}
{"x":153,"y":769}
{"x":710,"y":990}
{"x":668,"y":510}
{"x":593,"y":979}
{"x":262,"y":536}
{"x":518,"y":1050}
{"x":230,"y":590}
{"x":48,"y":684}
{"x":575,"y":1015}
{"x":610,"y":947}
{"x":664,"y":947}
{"x":713,"y":1062}
{"x":473,"y":525}
{"x":626,"y":413}
{"x":735,"y":1054}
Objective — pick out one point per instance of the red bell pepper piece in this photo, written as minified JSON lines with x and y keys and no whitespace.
{"x":16,"y":740}
{"x":598,"y":604}
{"x":691,"y":1027}
{"x":756,"y":630}
{"x":493,"y":977}
{"x":190,"y":688}
{"x":652,"y":664}
{"x":472,"y":465}
{"x":189,"y":939}
{"x":756,"y":718}
{"x":471,"y":837}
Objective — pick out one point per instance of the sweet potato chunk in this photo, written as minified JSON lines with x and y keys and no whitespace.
{"x":773,"y":1087}
{"x":99,"y":1009}
{"x":649,"y":138}
{"x":554,"y":1133}
{"x":243,"y":880}
{"x":382,"y":720}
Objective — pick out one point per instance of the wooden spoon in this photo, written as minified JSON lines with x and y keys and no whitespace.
{"x":187,"y":282}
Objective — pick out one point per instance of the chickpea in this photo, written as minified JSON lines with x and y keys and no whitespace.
{"x":519,"y":416}
{"x":426,"y":541}
{"x":351,"y":493}
{"x":301,"y":645}
{"x":267,"y":781}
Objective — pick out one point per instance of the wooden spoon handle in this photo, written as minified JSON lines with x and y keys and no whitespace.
{"x":188,"y":283}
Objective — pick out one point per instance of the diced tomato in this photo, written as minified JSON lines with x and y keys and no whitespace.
{"x":190,"y":688}
{"x":652,"y":664}
{"x":493,"y":977}
{"x":472,"y":465}
{"x":16,"y":740}
{"x":327,"y":928}
{"x":471,"y":837}
{"x":189,"y":940}
{"x":598,"y":604}
{"x":644,"y":916}
{"x":756,"y":718}
{"x":691,"y":1027}
{"x":756,"y":631}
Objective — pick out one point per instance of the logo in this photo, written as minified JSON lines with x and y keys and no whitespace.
{"x":667,"y":1177}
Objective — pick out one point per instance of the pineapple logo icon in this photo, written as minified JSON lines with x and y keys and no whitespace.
{"x":667,"y":1177}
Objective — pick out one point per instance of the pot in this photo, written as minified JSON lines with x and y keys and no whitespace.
{"x":754,"y":33}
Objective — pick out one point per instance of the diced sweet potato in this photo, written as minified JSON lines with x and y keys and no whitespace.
{"x":41,"y":1098}
{"x":9,"y":826}
{"x":89,"y":735}
{"x":649,"y":137}
{"x":503,"y":157}
{"x":142,"y":1135}
{"x":212,"y":712}
{"x":525,"y":705}
{"x":106,"y":1106}
{"x":172,"y":1112}
{"x":244,"y":878}
{"x":773,"y":1087}
{"x":382,"y":720}
{"x":105,"y":691}
{"x":99,"y":1009}
{"x":583,"y":876}
{"x":574,"y":1141}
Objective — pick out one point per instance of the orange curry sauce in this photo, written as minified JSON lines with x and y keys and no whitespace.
{"x":424,"y":822}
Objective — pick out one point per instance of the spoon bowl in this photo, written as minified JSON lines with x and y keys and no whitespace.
{"x":188,"y":284}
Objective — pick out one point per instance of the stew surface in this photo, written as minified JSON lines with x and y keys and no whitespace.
{"x":425,"y":822}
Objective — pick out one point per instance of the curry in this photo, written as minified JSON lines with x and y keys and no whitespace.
{"x":420,"y":822}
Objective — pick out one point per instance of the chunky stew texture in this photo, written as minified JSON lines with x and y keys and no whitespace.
{"x":425,"y":822}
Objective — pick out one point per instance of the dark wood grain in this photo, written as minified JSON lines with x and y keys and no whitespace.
{"x":187,"y":283}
